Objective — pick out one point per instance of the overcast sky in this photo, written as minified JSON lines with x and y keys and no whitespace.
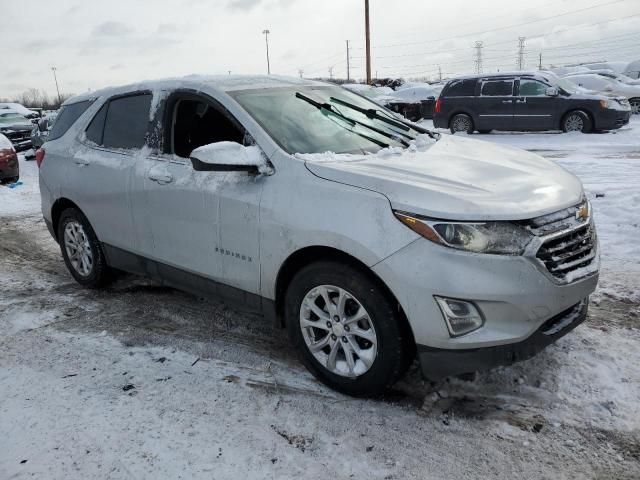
{"x":95,"y":44}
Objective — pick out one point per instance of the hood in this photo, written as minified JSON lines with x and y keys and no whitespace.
{"x":17,"y":126}
{"x":457,"y":179}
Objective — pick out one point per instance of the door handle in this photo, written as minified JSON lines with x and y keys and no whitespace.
{"x":507,"y":101}
{"x":81,"y":162}
{"x":521,"y":100}
{"x":161,"y":178}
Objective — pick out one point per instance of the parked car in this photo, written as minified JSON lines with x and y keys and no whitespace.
{"x":421,"y":94}
{"x":371,"y":239}
{"x":20,"y":109}
{"x":525,"y":101}
{"x":16,"y":128}
{"x":600,"y":83}
{"x":610,"y":74}
{"x":9,"y":166}
{"x":40,"y":132}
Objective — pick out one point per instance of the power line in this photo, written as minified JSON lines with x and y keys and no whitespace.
{"x":502,"y":28}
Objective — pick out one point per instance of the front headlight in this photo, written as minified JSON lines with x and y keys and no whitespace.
{"x":504,"y":238}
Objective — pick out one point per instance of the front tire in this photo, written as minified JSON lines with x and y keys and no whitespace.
{"x":82,"y":251}
{"x":576,"y":121}
{"x":461,"y":123}
{"x":635,"y":106}
{"x":345,"y":328}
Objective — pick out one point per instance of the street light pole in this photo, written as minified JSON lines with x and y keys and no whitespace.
{"x":367,"y":40}
{"x":53,"y":69}
{"x":266,"y":40}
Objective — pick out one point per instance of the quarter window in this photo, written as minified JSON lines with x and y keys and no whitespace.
{"x":497,"y":88}
{"x":67,"y":117}
{"x":462,"y":88}
{"x":532,"y":88}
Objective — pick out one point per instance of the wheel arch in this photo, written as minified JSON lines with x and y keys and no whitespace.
{"x":307,"y":255}
{"x":59,"y":206}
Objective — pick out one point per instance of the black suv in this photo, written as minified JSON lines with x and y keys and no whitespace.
{"x":525,"y":101}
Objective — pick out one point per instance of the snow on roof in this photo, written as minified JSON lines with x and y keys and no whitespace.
{"x":219,"y":83}
{"x":16,"y":107}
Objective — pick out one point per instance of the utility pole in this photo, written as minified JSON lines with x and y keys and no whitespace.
{"x":439,"y":74}
{"x":331,"y":73}
{"x":540,"y":61}
{"x":521,"y":53}
{"x":229,"y":72}
{"x":478,"y":60}
{"x":266,"y":40}
{"x":367,"y":40}
{"x":348,"y":76}
{"x":300,"y":72}
{"x":53,"y":69}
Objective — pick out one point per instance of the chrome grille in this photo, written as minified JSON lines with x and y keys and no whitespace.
{"x":569,"y":242}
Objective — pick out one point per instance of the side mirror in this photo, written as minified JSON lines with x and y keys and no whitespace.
{"x":230,"y":157}
{"x":551,"y":92}
{"x":43,"y":125}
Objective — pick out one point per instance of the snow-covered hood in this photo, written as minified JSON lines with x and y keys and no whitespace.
{"x":457,"y":179}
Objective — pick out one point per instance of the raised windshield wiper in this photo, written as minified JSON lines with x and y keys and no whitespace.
{"x":373,"y":113}
{"x":331,"y":109}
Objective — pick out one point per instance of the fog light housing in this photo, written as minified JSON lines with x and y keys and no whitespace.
{"x":460,"y":316}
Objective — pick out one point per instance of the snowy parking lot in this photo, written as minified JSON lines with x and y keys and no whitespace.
{"x":142,"y":381}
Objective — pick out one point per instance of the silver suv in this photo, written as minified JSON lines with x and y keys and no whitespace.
{"x":372,"y":240}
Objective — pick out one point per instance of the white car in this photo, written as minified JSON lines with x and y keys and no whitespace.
{"x":593,"y":81}
{"x":18,"y":108}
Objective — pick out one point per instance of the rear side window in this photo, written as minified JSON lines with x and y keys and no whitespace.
{"x":497,"y":88}
{"x":121,"y":122}
{"x":67,"y":117}
{"x":462,"y":88}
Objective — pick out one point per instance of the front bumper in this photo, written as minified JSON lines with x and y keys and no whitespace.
{"x":611,"y":119}
{"x":438,"y":363}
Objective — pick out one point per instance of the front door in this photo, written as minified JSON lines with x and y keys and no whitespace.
{"x":495,"y":104}
{"x":534,"y":110}
{"x":204,"y":222}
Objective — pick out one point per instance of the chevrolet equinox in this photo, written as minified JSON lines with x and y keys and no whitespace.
{"x":372,"y":240}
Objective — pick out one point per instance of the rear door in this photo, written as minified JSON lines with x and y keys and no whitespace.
{"x":102,"y":167}
{"x":534,"y":110}
{"x":495,"y":104}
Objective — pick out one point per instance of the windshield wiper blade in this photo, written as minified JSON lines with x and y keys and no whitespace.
{"x":373,"y":113}
{"x":329,"y":108}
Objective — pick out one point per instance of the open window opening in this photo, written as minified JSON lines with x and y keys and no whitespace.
{"x":197,"y":122}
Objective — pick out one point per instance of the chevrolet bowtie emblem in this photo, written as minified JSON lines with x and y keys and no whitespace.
{"x":583,"y":212}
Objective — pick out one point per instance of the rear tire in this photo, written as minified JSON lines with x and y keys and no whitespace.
{"x":461,"y":123}
{"x":576,"y":121}
{"x":376,"y":342}
{"x":82,"y":251}
{"x":9,"y":180}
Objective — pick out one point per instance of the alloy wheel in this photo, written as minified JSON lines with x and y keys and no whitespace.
{"x":338,"y":331}
{"x":574,"y":123}
{"x":461,"y":124}
{"x":76,"y":244}
{"x":635,"y":107}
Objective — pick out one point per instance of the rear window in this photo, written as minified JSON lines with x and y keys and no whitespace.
{"x":461,"y":88}
{"x":121,"y":122}
{"x":494,"y":88}
{"x":67,"y":117}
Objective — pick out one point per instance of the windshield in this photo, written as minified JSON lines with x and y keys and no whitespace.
{"x":9,"y":118}
{"x":306,"y":119}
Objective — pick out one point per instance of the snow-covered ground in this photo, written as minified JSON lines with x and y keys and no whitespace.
{"x":141,"y":381}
